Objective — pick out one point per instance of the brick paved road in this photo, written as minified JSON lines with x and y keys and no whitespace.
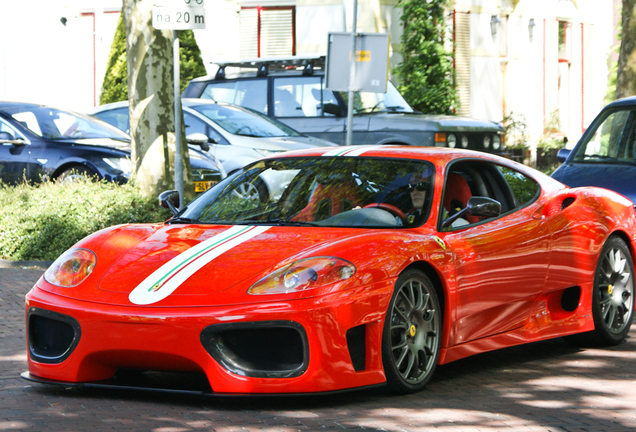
{"x":546,"y":386}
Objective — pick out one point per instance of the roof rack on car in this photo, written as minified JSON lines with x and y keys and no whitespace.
{"x":264,"y":65}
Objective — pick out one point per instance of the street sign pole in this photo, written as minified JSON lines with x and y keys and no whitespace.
{"x":352,"y":75}
{"x":178,"y":15}
{"x":178,"y":157}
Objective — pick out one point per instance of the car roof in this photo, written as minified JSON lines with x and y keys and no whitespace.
{"x":271,"y":66}
{"x":627,"y":101}
{"x":186,"y":102}
{"x":439,"y":154}
{"x":8,"y":105}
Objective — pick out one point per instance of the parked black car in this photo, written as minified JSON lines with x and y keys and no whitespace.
{"x":292,"y":91}
{"x":605,"y":156}
{"x":39,"y":142}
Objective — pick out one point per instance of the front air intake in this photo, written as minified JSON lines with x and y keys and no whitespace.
{"x":52,"y":337}
{"x":269,"y":349}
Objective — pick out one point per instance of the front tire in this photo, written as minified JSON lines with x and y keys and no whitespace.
{"x":412,"y":333}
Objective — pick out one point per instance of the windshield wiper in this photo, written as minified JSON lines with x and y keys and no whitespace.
{"x":183,"y":220}
{"x":395,"y":108}
{"x":280,"y":222}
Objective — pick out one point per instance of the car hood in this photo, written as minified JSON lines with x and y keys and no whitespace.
{"x":99,"y":142}
{"x":300,"y":142}
{"x":616,"y":177}
{"x":431,"y":123}
{"x":143,"y":264}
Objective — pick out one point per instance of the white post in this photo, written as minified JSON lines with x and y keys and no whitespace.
{"x":178,"y":162}
{"x":352,"y":75}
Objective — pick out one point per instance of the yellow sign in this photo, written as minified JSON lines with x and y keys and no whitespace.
{"x":363,"y":56}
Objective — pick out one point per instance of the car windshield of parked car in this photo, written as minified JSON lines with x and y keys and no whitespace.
{"x":320,"y":191}
{"x":240,"y":121}
{"x":391,"y":101}
{"x":613,"y":140}
{"x":63,"y":125}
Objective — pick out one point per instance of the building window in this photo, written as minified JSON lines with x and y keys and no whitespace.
{"x":268,"y":31}
{"x":565,"y":41}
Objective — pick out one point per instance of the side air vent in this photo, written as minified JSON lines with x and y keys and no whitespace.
{"x":567,"y":202}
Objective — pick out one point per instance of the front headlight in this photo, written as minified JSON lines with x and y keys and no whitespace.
{"x":71,"y":268}
{"x":452,"y":141}
{"x":303,"y":275}
{"x":486,"y":142}
{"x":496,"y":142}
{"x":122,"y":164}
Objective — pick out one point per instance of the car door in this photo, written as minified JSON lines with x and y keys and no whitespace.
{"x":501,"y":263}
{"x":15,"y":159}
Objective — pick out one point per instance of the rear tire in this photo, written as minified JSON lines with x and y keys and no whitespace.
{"x":612,"y":297}
{"x":412,"y":333}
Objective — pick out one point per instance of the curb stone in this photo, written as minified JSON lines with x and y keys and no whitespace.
{"x":43,"y":265}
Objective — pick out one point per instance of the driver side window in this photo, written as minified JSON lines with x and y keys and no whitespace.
{"x":511,"y":189}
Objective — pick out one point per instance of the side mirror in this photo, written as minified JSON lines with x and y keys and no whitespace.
{"x":201,"y":140}
{"x":170,"y":200}
{"x":483,"y":207}
{"x":8,"y":138}
{"x":330,"y":108}
{"x":563,"y":154}
{"x":476,"y":206}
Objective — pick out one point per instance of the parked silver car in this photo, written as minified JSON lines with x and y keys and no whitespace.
{"x":235,"y":135}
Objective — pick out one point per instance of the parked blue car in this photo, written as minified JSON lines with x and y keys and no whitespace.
{"x":38,"y":142}
{"x":605,"y":156}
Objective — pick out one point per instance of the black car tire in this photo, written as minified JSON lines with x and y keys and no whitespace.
{"x":412,"y":333}
{"x":612,"y":296}
{"x":76,"y":173}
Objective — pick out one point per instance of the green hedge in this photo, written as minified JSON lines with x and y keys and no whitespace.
{"x":39,"y":222}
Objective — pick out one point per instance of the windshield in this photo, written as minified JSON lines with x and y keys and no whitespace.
{"x":319,"y":191}
{"x":63,"y":125}
{"x":612,"y":140}
{"x":241,"y":121}
{"x":391,"y":101}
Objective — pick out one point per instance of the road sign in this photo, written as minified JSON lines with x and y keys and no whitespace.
{"x":178,"y":18}
{"x":371,"y":57}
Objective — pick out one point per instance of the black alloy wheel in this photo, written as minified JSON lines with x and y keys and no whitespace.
{"x":412,"y":333}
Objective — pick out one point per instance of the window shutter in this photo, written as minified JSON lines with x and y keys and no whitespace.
{"x":277,"y":37}
{"x":462,"y":60}
{"x":249,"y":32}
{"x":589,"y":108}
{"x":551,"y":68}
{"x":267,"y":31}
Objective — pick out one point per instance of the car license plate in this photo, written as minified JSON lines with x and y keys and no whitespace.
{"x":202,"y":186}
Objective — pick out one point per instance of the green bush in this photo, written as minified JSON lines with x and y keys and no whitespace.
{"x":39,"y":222}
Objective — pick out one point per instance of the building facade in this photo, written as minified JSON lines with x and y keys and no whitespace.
{"x":541,"y":60}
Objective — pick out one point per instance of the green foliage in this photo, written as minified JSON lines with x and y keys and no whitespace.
{"x":426,"y":72}
{"x":191,"y":65}
{"x":552,"y":137}
{"x":115,"y":86}
{"x":39,"y":222}
{"x":516,"y":131}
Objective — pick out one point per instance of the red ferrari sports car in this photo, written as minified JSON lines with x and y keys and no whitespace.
{"x":331,"y":269}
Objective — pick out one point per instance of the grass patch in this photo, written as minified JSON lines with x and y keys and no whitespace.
{"x":39,"y":222}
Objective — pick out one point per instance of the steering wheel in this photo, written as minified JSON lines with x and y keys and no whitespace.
{"x":388,"y":207}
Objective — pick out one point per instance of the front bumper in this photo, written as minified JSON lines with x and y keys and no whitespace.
{"x":321,"y":344}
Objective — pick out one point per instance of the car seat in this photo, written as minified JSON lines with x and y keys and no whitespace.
{"x":456,"y":195}
{"x":333,"y":194}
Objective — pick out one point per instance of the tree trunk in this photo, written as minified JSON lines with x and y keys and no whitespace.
{"x":151,"y":98}
{"x":626,"y":74}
